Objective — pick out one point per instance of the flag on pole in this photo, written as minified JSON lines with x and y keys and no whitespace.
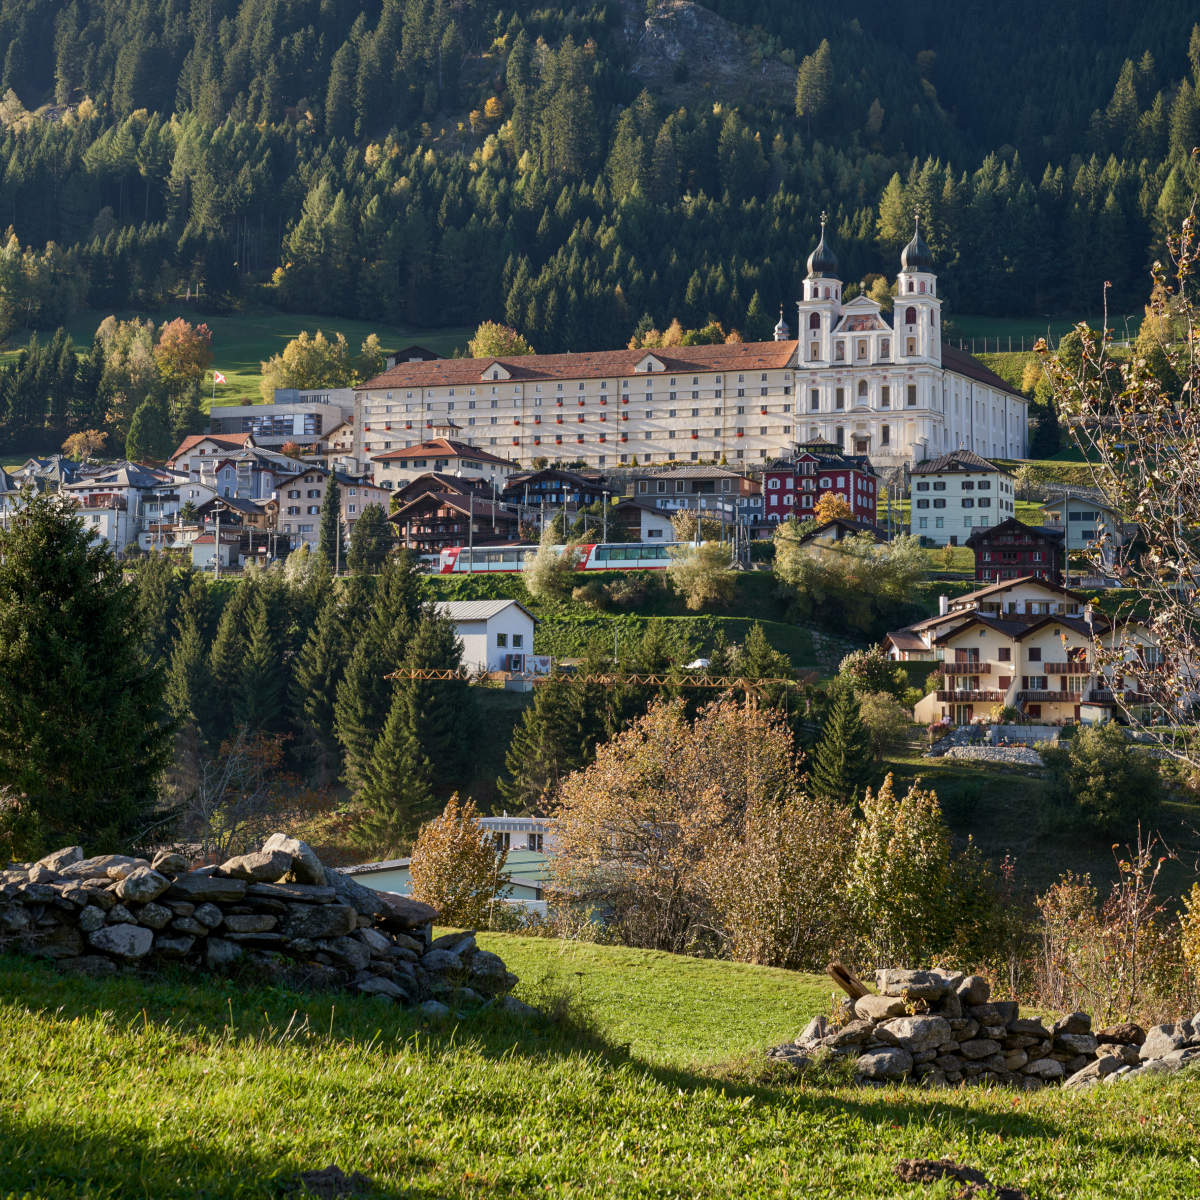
{"x":218,"y":377}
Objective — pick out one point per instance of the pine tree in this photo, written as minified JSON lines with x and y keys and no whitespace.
{"x":440,"y":708}
{"x":363,"y":693}
{"x":397,"y":788}
{"x":841,"y":761}
{"x":84,"y":731}
{"x":544,"y":748}
{"x":257,"y":693}
{"x":319,"y":667}
{"x":225,"y":659}
{"x":330,"y":546}
{"x":371,"y":540}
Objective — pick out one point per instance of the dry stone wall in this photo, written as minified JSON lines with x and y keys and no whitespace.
{"x":939,"y":1028}
{"x":279,"y":908}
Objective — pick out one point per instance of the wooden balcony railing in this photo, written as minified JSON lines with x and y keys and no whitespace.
{"x":966,"y":697}
{"x":1067,"y":668}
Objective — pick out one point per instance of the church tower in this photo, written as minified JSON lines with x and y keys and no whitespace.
{"x":818,"y":312}
{"x":918,"y":311}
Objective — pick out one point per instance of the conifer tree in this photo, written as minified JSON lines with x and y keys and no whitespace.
{"x":371,"y":540}
{"x":842,"y":760}
{"x":397,"y":789}
{"x":319,"y":667}
{"x":544,"y":747}
{"x":331,"y":547}
{"x":258,"y":692}
{"x":84,"y":731}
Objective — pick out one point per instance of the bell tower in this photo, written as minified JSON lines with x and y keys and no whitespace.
{"x":817,"y":313}
{"x":918,"y":311}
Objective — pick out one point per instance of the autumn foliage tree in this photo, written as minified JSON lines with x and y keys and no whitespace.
{"x":635,"y":829}
{"x":493,"y":340}
{"x":702,"y":574}
{"x":456,"y":866}
{"x":832,"y":507}
{"x":183,"y":353}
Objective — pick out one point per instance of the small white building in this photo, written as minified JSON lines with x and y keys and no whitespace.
{"x":206,"y":553}
{"x":496,"y":635}
{"x":651,"y":523}
{"x":957,"y":493}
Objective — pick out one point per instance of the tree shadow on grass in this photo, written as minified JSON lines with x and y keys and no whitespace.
{"x":201,"y":1012}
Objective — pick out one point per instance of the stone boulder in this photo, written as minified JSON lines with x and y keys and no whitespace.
{"x":1162,"y":1039}
{"x":168,"y":862}
{"x":195,"y":887}
{"x":306,"y":866}
{"x":916,"y":985}
{"x":1128,"y":1034}
{"x":141,"y":885}
{"x":262,"y":866}
{"x":404,"y":914}
{"x":364,"y":901}
{"x":99,"y":866}
{"x":974,"y":990}
{"x":878,"y":1008}
{"x":885,"y":1063}
{"x":318,"y":920}
{"x":59,"y":860}
{"x":126,"y":942}
{"x":916,"y":1033}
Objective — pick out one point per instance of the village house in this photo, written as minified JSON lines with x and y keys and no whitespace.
{"x":434,"y":520}
{"x":643,"y":520}
{"x":793,"y":486}
{"x":1090,"y":527}
{"x":1012,"y":550}
{"x":955,"y":494}
{"x":1027,"y":645}
{"x":556,"y":488}
{"x":496,"y":635}
{"x":715,"y":491}
{"x":443,"y":453}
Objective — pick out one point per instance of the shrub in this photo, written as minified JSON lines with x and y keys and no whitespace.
{"x":886,"y":721}
{"x":456,"y":866}
{"x":701,"y":574}
{"x":1112,"y":784}
{"x":550,"y":574}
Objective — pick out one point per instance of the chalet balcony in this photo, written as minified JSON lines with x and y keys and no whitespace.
{"x":1067,"y":668}
{"x":1048,"y":697}
{"x":1100,"y":696}
{"x":965,"y":696}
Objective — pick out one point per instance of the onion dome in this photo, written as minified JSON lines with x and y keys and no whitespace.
{"x":822,"y":261}
{"x":782,"y":332}
{"x":915,"y":256}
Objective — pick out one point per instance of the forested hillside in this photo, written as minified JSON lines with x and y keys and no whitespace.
{"x":569,"y":169}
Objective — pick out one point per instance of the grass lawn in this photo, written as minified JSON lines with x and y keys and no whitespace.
{"x":241,"y":341}
{"x":138,"y":1088}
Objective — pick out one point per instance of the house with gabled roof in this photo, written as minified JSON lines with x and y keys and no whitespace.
{"x":955,"y":494}
{"x":443,"y":453}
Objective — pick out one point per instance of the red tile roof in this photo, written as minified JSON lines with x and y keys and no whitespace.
{"x":441,"y":448}
{"x":592,"y":364}
{"x":235,"y":441}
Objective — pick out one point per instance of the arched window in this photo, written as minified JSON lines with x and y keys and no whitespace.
{"x":814,"y":321}
{"x":862,"y":389}
{"x":910,"y":285}
{"x":932,"y":317}
{"x":910,"y":315}
{"x":826,"y":293}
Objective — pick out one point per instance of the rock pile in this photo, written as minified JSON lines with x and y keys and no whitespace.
{"x":278,"y":908}
{"x":937,"y":1028}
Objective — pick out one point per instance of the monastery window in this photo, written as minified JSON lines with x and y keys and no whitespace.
{"x":604,"y":385}
{"x":560,"y":387}
{"x":936,"y":503}
{"x":922,"y":285}
{"x":885,"y":436}
{"x":839,"y":434}
{"x":839,"y":351}
{"x":839,"y":398}
{"x":912,"y":346}
{"x":910,"y":313}
{"x":814,"y":321}
{"x":672,"y":396}
{"x":671,"y":411}
{"x":695,"y":412}
{"x":695,"y":395}
{"x":885,"y":347}
{"x":718,"y":394}
{"x":813,"y":352}
{"x":741,"y":409}
{"x":912,"y":395}
{"x":741,"y":392}
{"x":814,"y":399}
{"x":862,"y":389}
{"x":450,"y":406}
{"x":910,"y":285}
{"x":495,"y":404}
{"x":717,"y":411}
{"x":861,"y":349}
{"x":885,"y":397}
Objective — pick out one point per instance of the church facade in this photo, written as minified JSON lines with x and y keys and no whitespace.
{"x":879,"y":384}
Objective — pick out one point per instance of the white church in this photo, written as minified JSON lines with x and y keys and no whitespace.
{"x":894,"y":390}
{"x":879,"y":384}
